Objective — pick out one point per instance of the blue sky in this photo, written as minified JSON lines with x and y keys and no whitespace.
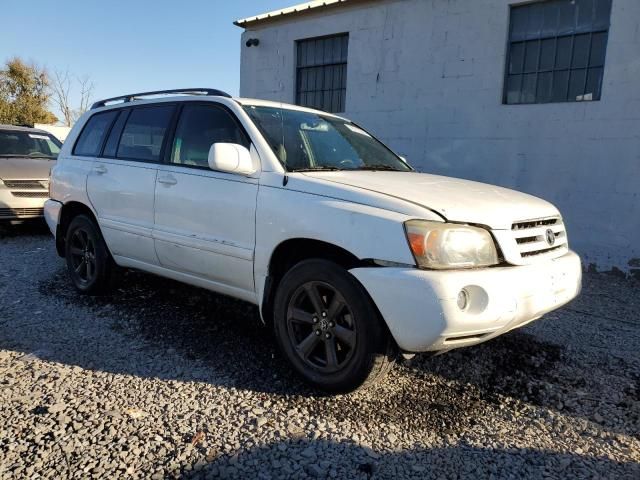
{"x":134,"y":45}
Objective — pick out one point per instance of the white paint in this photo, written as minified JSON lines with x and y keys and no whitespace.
{"x":494,"y":207}
{"x":426,"y":76}
{"x":52,"y":209}
{"x":509,"y":298}
{"x":122,"y":194}
{"x":205,"y":224}
{"x":231,"y":158}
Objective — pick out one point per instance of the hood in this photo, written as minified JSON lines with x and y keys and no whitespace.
{"x":25,"y":168}
{"x":454,"y":199}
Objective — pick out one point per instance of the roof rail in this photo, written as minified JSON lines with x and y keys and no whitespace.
{"x":187,"y":91}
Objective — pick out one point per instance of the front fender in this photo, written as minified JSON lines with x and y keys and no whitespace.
{"x":366,"y":232}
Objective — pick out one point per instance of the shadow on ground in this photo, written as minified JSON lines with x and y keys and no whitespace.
{"x":321,"y":459}
{"x":36,"y":227}
{"x":447,"y":392}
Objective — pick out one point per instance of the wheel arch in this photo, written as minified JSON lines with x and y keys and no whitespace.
{"x":292,"y":251}
{"x":69,"y":211}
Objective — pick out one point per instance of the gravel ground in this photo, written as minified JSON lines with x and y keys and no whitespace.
{"x":161,"y":380}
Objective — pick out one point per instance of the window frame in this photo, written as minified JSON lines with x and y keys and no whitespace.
{"x":286,"y":168}
{"x":169,"y":137}
{"x":125,"y":112}
{"x":298,"y":69}
{"x":167,"y":132}
{"x":166,"y":160}
{"x":104,"y":140}
{"x":595,"y":30}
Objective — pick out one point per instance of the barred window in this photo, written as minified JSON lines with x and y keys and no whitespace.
{"x":322,"y":72}
{"x":556,"y":51}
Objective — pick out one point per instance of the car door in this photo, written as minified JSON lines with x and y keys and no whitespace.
{"x":121,"y":184}
{"x":205,"y":220}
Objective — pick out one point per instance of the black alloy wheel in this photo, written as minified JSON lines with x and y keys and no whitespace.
{"x":89,"y":263}
{"x":320,"y":324}
{"x":82,"y":252}
{"x":327,"y":326}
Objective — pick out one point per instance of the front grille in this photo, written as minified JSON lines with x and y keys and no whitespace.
{"x":21,"y":212}
{"x":539,"y":237}
{"x":534,"y":223}
{"x":27,"y":184}
{"x":31,"y":194}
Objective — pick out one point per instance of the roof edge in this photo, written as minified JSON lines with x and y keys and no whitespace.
{"x":294,"y":10}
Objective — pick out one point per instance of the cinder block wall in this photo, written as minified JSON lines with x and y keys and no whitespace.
{"x":426,"y":76}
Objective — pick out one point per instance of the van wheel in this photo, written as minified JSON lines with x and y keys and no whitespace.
{"x":89,"y":263}
{"x":328,"y":328}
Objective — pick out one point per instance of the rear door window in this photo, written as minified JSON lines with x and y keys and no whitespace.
{"x":90,"y":141}
{"x":144,"y":132}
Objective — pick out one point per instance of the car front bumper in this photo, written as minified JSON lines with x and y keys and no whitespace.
{"x":19,"y":205}
{"x":421,"y":308}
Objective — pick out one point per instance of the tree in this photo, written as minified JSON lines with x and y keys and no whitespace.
{"x":62,"y":87}
{"x":24,"y":94}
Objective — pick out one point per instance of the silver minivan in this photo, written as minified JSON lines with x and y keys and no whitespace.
{"x":27,"y":155}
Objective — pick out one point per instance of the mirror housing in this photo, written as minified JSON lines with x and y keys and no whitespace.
{"x":231,"y":158}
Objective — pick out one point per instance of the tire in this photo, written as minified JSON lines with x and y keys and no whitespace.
{"x":328,"y":328}
{"x":89,"y":263}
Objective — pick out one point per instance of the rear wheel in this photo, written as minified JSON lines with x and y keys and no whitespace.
{"x":89,"y":263}
{"x":329,"y":329}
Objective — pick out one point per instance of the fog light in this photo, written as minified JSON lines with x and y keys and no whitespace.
{"x":463,"y":299}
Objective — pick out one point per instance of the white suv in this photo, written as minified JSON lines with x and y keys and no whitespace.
{"x":351,"y":255}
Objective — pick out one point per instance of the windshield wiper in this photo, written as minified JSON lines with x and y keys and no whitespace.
{"x":317,"y":169}
{"x":11,"y":155}
{"x":373,"y":168}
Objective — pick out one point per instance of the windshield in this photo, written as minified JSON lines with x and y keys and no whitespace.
{"x":310,"y":141}
{"x":14,"y":143}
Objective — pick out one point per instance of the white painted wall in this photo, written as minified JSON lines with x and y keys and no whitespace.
{"x":58,"y":131}
{"x":426,"y":76}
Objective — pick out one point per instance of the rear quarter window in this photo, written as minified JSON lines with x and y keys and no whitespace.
{"x":93,"y":134}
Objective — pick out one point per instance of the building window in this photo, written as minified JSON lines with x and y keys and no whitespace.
{"x":556,"y":51}
{"x":322,"y":72}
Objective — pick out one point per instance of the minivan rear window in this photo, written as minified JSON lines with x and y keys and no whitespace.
{"x":90,"y":141}
{"x":144,"y":133}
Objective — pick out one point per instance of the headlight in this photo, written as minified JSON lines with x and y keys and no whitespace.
{"x":447,"y":245}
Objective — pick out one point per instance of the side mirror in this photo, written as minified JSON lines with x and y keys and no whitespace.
{"x":403,"y":158}
{"x":231,"y":158}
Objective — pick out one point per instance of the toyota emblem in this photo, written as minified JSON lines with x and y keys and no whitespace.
{"x":551,"y":237}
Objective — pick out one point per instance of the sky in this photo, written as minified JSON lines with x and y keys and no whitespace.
{"x":134,"y":45}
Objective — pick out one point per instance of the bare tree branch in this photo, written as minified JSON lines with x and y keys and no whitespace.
{"x":86,"y":92}
{"x":61,"y":86}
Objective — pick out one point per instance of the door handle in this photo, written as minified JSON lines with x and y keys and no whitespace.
{"x":100,"y":169}
{"x":167,"y":180}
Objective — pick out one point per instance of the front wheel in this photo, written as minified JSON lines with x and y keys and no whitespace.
{"x":89,"y":263}
{"x":328,"y":328}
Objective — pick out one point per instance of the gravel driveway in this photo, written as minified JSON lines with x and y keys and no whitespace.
{"x":163,"y":380}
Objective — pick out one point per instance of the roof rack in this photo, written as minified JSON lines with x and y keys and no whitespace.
{"x":186,"y":91}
